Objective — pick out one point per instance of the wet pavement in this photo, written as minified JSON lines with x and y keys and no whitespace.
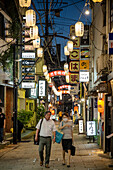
{"x":24,"y":156}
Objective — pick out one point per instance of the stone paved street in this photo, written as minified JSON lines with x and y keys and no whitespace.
{"x":24,"y":156}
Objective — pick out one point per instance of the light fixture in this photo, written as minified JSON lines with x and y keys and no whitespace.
{"x":36,"y":43}
{"x":40,"y":52}
{"x":97,"y":0}
{"x":30,"y":18}
{"x":66,"y":52}
{"x":67,"y":78}
{"x":34,"y":32}
{"x":65,"y":66}
{"x":73,"y":37}
{"x":87,"y":12}
{"x":79,"y":29}
{"x":25,"y":3}
{"x":70,"y":46}
{"x":44,"y":68}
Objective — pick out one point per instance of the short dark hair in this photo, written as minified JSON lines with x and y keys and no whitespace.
{"x":47,"y":112}
{"x":0,"y":109}
{"x":66,"y":114}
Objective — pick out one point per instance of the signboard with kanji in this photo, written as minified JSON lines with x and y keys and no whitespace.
{"x":72,"y":30}
{"x":84,"y":76}
{"x":75,"y":54}
{"x":74,"y":78}
{"x":76,"y":42}
{"x":81,"y":129}
{"x":84,"y":64}
{"x":74,"y":66}
{"x":91,"y":128}
{"x":41,"y":88}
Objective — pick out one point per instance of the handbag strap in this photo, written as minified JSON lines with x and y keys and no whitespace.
{"x":40,"y":125}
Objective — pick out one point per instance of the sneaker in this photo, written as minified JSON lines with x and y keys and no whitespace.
{"x":47,"y":166}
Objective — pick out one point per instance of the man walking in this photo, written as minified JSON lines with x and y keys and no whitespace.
{"x":47,"y":127}
{"x":2,"y":125}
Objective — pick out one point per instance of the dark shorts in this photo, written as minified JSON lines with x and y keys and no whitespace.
{"x":66,"y":144}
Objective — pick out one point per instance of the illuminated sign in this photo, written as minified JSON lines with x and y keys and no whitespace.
{"x":64,"y":91}
{"x":91,"y":128}
{"x":28,"y":62}
{"x":84,"y":76}
{"x":28,"y":77}
{"x":85,"y":53}
{"x":74,"y":78}
{"x":75,"y":54}
{"x":63,"y":87}
{"x":57,"y":73}
{"x":28,"y":85}
{"x":81,"y":129}
{"x":42,"y":88}
{"x":74,"y":66}
{"x":84,"y":64}
{"x":28,"y":55}
{"x":28,"y":70}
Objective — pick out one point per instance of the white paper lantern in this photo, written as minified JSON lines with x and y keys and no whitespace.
{"x":25,"y":3}
{"x":66,"y":52}
{"x":30,"y":18}
{"x":70,"y":46}
{"x":36,"y":43}
{"x":40,"y":52}
{"x":79,"y":29}
{"x":44,"y":68}
{"x":67,"y":78}
{"x":34,"y":32}
{"x":65,"y":66}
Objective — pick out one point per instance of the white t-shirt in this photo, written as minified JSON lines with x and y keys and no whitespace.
{"x":47,"y":127}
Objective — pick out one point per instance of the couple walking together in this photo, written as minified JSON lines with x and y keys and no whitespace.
{"x":47,"y":129}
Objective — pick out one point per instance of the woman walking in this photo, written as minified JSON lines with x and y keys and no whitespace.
{"x":66,"y":127}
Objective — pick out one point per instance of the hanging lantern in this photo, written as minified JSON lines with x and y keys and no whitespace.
{"x":79,"y":29}
{"x":66,"y":52}
{"x":25,"y":3}
{"x":65,"y":66}
{"x":67,"y":78}
{"x":100,"y":106}
{"x":70,"y":46}
{"x":36,"y":43}
{"x":30,"y":18}
{"x":44,"y":68}
{"x":40,"y":52}
{"x":97,"y":0}
{"x":34,"y":32}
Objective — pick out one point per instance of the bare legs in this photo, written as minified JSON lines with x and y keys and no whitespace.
{"x":69,"y":155}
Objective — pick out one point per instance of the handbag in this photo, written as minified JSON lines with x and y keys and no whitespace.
{"x":59,"y":136}
{"x":73,"y":149}
{"x":37,"y":142}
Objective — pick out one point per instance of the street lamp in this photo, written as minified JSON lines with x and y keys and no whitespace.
{"x":44,"y":68}
{"x":40,"y":52}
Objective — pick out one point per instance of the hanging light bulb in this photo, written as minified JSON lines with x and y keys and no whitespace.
{"x":34,"y":32}
{"x":65,"y":66}
{"x":79,"y":29}
{"x":70,"y":46}
{"x":66,"y":52}
{"x":40,"y":52}
{"x":30,"y":18}
{"x":25,"y":3}
{"x":87,"y":12}
{"x":36,"y":43}
{"x":44,"y":68}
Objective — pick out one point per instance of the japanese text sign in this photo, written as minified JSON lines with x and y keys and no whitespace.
{"x":75,"y":54}
{"x":74,"y":78}
{"x":42,"y":88}
{"x":81,"y":126}
{"x":91,"y":128}
{"x":84,"y":64}
{"x":74,"y":66}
